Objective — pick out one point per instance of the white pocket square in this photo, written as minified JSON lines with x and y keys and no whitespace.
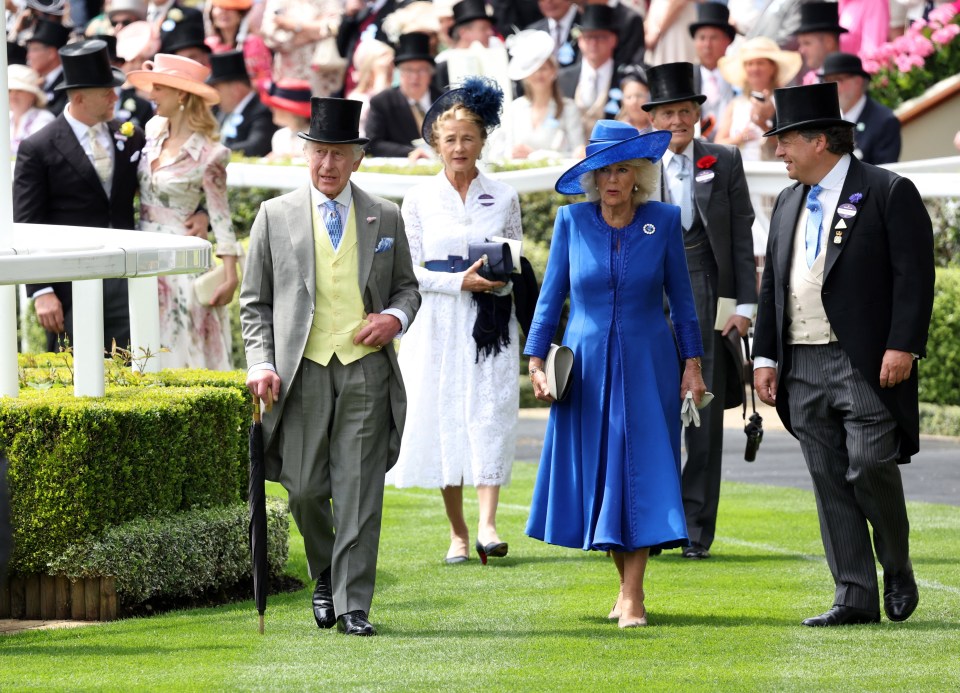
{"x":384,"y":245}
{"x":135,"y":157}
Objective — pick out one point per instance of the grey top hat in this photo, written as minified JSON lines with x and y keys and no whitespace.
{"x":86,"y":65}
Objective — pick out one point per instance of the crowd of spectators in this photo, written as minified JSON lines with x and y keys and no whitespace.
{"x":569,"y":63}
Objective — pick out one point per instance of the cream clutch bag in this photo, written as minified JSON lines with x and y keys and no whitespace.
{"x":559,"y":370}
{"x":206,"y":284}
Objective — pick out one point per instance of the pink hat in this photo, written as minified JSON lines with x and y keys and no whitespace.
{"x":136,"y":40}
{"x":177,"y":72}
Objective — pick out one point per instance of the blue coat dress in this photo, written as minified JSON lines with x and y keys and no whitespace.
{"x":609,"y":476}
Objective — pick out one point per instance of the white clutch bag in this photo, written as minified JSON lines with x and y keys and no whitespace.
{"x":206,"y":284}
{"x":559,"y":370}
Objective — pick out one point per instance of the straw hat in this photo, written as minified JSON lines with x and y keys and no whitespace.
{"x":23,"y":78}
{"x":529,"y":49}
{"x":788,"y":62}
{"x":610,"y":142}
{"x":177,"y":72}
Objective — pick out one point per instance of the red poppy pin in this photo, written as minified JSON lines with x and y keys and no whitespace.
{"x":706,"y":161}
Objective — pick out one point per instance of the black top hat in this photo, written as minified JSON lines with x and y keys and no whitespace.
{"x":413,"y":46}
{"x":820,"y":16}
{"x":631,"y":72}
{"x":468,"y":10}
{"x":16,"y":54}
{"x":186,"y":33}
{"x":671,"y":83}
{"x":228,"y":66}
{"x":50,"y":34}
{"x":713,"y":14}
{"x":334,"y":121}
{"x":598,"y":18}
{"x":843,"y":64}
{"x":86,"y":65}
{"x":810,"y":107}
{"x":111,"y":42}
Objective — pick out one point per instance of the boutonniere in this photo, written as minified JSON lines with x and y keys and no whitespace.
{"x":175,"y":14}
{"x":847,"y":210}
{"x":705,"y":162}
{"x":370,"y":220}
{"x":575,"y":32}
{"x":855,"y":198}
{"x":861,"y":127}
{"x":126,"y":129}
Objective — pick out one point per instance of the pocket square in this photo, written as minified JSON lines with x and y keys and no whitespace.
{"x":135,"y":157}
{"x":384,"y":245}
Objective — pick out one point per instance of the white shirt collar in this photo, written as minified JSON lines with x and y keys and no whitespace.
{"x":344,"y":199}
{"x":834,"y":179}
{"x":853,"y":115}
{"x":668,"y":155}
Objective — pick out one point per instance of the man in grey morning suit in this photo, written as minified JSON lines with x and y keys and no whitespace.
{"x":845,"y":304}
{"x":328,"y":285}
{"x":708,"y":184}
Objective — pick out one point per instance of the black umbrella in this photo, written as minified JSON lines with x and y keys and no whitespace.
{"x":257,"y":499}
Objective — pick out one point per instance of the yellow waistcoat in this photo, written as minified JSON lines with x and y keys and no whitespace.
{"x":338,"y":308}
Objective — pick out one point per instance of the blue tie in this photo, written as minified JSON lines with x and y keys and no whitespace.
{"x":334,"y":225}
{"x":814,"y":221}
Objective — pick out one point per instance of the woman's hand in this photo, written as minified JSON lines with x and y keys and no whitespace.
{"x":224,"y":293}
{"x":692,"y":381}
{"x":475,"y":283}
{"x":539,"y":380}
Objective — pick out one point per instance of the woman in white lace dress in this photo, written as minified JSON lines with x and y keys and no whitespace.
{"x":462,"y":389}
{"x":182,"y":163}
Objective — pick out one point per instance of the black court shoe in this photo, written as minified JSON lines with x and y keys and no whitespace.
{"x":492,"y":550}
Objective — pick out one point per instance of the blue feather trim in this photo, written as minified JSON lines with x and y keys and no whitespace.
{"x":484,"y":97}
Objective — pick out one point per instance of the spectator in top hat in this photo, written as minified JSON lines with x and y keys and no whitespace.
{"x":229,"y":30}
{"x":712,"y":34}
{"x":876,"y":133}
{"x":246,"y":125}
{"x":396,"y":115}
{"x":845,"y":304}
{"x":80,"y":170}
{"x":471,"y":24}
{"x":27,"y":101}
{"x":339,"y":416}
{"x":44,"y":57}
{"x":592,"y":82}
{"x":559,"y":18}
{"x":629,"y":25}
{"x":707,"y":182}
{"x":183,"y":34}
{"x":817,"y":36}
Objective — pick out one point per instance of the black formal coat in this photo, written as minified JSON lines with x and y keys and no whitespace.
{"x":630,"y":44}
{"x":54,"y":182}
{"x":390,"y":123}
{"x":254,"y":132}
{"x":877,"y":286}
{"x":569,"y":77}
{"x":877,"y":134}
{"x":510,"y":15}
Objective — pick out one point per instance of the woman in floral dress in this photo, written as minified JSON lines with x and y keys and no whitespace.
{"x":183,"y":164}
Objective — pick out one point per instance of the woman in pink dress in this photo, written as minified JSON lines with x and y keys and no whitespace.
{"x":183,"y":164}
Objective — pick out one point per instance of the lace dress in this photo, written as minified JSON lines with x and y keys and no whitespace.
{"x":197,"y":336}
{"x":461,"y":425}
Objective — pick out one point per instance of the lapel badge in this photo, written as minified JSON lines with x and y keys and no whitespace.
{"x":838,"y":238}
{"x":704,"y":176}
{"x":841,"y":224}
{"x":649,"y":229}
{"x":846,"y":210}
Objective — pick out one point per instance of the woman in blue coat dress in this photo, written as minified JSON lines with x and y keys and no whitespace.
{"x":609,"y":477}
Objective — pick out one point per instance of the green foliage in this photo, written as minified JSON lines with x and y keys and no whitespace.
{"x":939,"y":420}
{"x":939,"y":376}
{"x":945,"y":215}
{"x":80,"y":465}
{"x":181,"y":555}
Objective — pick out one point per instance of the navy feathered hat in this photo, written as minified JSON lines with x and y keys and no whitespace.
{"x":480,"y":95}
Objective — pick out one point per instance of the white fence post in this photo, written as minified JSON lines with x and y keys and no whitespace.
{"x":144,"y":322}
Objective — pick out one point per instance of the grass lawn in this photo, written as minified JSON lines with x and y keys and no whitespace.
{"x":537,"y":619}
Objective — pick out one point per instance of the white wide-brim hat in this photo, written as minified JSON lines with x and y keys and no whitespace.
{"x":788,"y":62}
{"x":23,"y":78}
{"x":529,"y":49}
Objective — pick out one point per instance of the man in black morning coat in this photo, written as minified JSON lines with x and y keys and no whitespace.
{"x":845,"y":304}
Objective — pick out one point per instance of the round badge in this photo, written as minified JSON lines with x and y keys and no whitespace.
{"x":705,"y":176}
{"x":168,"y":25}
{"x":649,"y":229}
{"x":486,"y":200}
{"x":846,"y":210}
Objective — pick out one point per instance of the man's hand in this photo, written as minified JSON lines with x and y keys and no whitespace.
{"x":197,"y":224}
{"x":379,"y":331}
{"x":765,"y":383}
{"x":49,"y":312}
{"x":740,"y":322}
{"x":895,"y":368}
{"x":264,"y":384}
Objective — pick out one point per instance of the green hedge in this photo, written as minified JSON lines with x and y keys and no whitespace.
{"x":939,"y":372}
{"x":183,"y":555}
{"x":81,"y":465}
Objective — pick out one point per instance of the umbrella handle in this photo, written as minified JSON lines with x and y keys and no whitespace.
{"x":256,"y":409}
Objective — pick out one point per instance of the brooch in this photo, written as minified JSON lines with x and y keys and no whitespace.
{"x":649,"y":229}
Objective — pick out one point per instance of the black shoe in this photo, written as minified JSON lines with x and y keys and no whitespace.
{"x":323,"y":601}
{"x":840,"y":615}
{"x":493,"y":549}
{"x":696,"y":552}
{"x":655,"y":551}
{"x":900,"y":595}
{"x":355,"y":623}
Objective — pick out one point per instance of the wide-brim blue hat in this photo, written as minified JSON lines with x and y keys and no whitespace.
{"x":612,"y":141}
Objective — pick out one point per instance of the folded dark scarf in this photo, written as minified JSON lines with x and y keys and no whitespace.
{"x":491,"y":331}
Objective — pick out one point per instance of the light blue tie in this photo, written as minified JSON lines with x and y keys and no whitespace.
{"x":334,"y":224}
{"x":814,"y":221}
{"x":681,"y":171}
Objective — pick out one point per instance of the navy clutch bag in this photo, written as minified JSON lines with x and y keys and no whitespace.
{"x":497,"y":260}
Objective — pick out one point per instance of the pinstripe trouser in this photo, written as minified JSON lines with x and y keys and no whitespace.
{"x":850,"y":443}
